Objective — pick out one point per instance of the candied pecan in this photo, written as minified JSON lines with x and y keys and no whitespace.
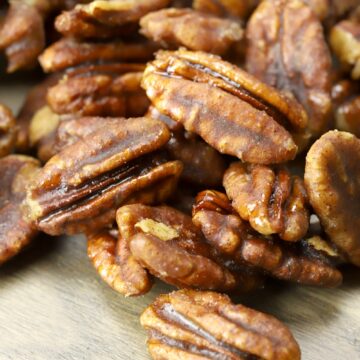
{"x":16,"y":231}
{"x":69,"y":52}
{"x":227,"y":8}
{"x":35,"y":100}
{"x":22,"y":35}
{"x":234,"y":238}
{"x":80,"y":188}
{"x":173,"y":125}
{"x":192,"y":29}
{"x":166,"y":243}
{"x":273,"y":201}
{"x":100,"y":90}
{"x":189,"y":324}
{"x":230,"y":109}
{"x":345,"y":43}
{"x":332,"y":179}
{"x":7,"y":131}
{"x":287,"y":50}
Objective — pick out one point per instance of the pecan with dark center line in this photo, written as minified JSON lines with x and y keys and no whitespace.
{"x":8,"y":130}
{"x":272,"y":200}
{"x":199,"y":325}
{"x":234,"y":238}
{"x":230,"y":109}
{"x":79,"y":189}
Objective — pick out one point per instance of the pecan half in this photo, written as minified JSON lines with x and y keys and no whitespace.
{"x":190,"y":324}
{"x":287,"y":50}
{"x":7,"y":131}
{"x":345,"y":43}
{"x":272,"y":200}
{"x":69,"y":52}
{"x":80,"y":188}
{"x":16,"y":231}
{"x":166,"y":243}
{"x":100,"y":90}
{"x":230,"y":109}
{"x":234,"y":238}
{"x":195,"y":30}
{"x":332,"y":179}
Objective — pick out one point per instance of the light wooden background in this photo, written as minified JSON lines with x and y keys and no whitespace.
{"x":53,"y":306}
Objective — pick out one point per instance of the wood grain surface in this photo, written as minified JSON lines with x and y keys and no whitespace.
{"x":54,"y":306}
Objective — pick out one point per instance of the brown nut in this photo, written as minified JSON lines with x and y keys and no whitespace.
{"x":69,"y":52}
{"x":230,"y":109}
{"x":193,"y":29}
{"x":166,"y":243}
{"x":287,"y":50}
{"x":79,"y":189}
{"x":347,"y":116}
{"x":100,"y":90}
{"x":7,"y":131}
{"x":197,"y":325}
{"x":332,"y":179}
{"x":16,"y":231}
{"x":272,"y":200}
{"x":22,"y":35}
{"x":345,"y":43}
{"x":234,"y":238}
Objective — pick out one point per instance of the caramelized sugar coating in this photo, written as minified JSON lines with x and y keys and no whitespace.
{"x":332,"y":179}
{"x":199,"y":325}
{"x":8,"y":130}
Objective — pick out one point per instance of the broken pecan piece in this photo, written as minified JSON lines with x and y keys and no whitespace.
{"x":234,"y":238}
{"x":332,"y":179}
{"x":7,"y":130}
{"x":190,"y":324}
{"x":230,"y":109}
{"x":195,"y":30}
{"x":16,"y":231}
{"x":79,"y":189}
{"x":287,"y":50}
{"x":272,"y":200}
{"x":100,"y":90}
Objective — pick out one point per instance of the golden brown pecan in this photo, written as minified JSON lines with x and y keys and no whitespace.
{"x":199,"y":325}
{"x":287,"y":50}
{"x":272,"y":200}
{"x":80,"y":188}
{"x":332,"y":179}
{"x":100,"y":90}
{"x":234,"y":238}
{"x":34,"y":101}
{"x":7,"y":131}
{"x":195,"y":30}
{"x":165,"y":242}
{"x":173,"y":125}
{"x":226,"y":8}
{"x":16,"y":231}
{"x":69,"y":52}
{"x":230,"y":109}
{"x":345,"y":42}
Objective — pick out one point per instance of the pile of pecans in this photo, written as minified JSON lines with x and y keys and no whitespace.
{"x":210,"y":173}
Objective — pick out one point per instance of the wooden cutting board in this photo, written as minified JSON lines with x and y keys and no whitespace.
{"x":53,"y":305}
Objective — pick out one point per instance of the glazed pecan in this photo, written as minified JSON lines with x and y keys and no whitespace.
{"x":272,"y":200}
{"x":100,"y":90}
{"x":7,"y":131}
{"x":80,"y":188}
{"x":165,"y":242}
{"x":16,"y":231}
{"x":230,"y":109}
{"x":234,"y":238}
{"x":287,"y":50}
{"x":332,"y":179}
{"x":345,"y":42}
{"x":199,"y":325}
{"x":193,"y":29}
{"x":69,"y":52}
{"x":226,"y":8}
{"x":34,"y":101}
